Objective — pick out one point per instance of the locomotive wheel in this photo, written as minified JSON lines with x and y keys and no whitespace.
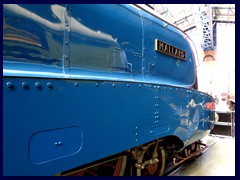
{"x":156,"y":169}
{"x":115,"y":167}
{"x":150,"y":169}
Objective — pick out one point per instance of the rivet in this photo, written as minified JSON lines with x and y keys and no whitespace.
{"x":136,"y":140}
{"x":136,"y":134}
{"x":65,"y":57}
{"x":58,"y":143}
{"x":24,"y":85}
{"x":38,"y":85}
{"x":49,"y":85}
{"x":66,"y":42}
{"x":140,"y":85}
{"x":128,"y":85}
{"x":176,"y":89}
{"x":9,"y":85}
{"x":113,"y":85}
{"x":136,"y":127}
{"x":96,"y":84}
{"x":76,"y":84}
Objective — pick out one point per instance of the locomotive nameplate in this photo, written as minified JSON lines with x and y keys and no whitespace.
{"x":169,"y":50}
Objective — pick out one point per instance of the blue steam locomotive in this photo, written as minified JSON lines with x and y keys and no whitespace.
{"x":98,"y":90}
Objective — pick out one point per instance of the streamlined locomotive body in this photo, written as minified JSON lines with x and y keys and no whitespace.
{"x":82,"y":83}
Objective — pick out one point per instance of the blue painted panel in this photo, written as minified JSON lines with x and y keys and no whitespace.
{"x":67,"y":105}
{"x":101,"y":39}
{"x":159,"y":66}
{"x":53,"y":144}
{"x":33,"y":34}
{"x":105,"y":37}
{"x":112,"y":116}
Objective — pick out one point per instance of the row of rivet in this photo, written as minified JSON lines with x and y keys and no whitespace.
{"x":113,"y":85}
{"x":136,"y":134}
{"x":156,"y":113}
{"x":188,"y":91}
{"x":170,"y":88}
{"x":26,"y":86}
{"x":49,"y":85}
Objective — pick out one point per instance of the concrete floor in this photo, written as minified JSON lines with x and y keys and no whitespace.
{"x":218,"y":160}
